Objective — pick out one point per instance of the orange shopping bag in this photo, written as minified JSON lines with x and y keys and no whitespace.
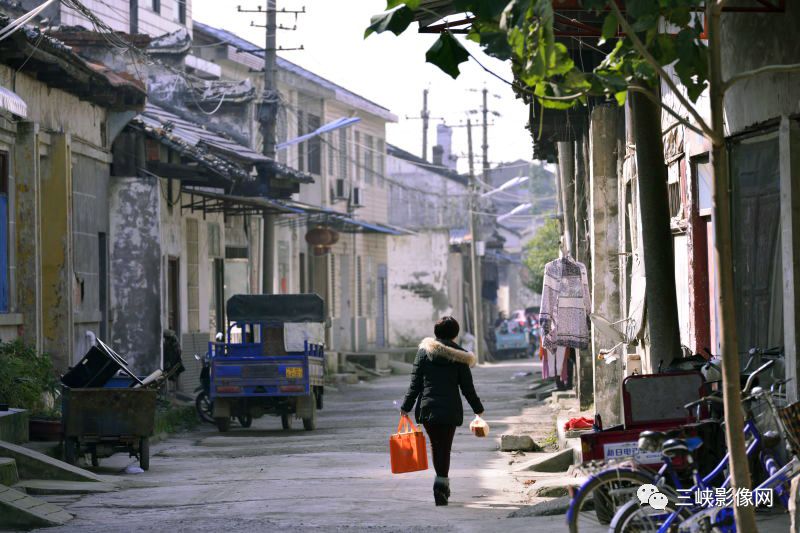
{"x":407,"y":448}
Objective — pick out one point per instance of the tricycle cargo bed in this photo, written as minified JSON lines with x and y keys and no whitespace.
{"x":108,"y":412}
{"x":290,"y":375}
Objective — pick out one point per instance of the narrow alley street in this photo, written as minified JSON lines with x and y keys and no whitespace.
{"x":336,"y":478}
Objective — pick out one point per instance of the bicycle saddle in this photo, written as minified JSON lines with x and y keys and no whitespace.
{"x":675,"y":447}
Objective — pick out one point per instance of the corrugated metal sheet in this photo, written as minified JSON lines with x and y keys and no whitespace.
{"x":195,"y":135}
{"x":13,"y":103}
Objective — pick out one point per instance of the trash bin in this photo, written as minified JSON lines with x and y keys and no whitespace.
{"x":96,"y":368}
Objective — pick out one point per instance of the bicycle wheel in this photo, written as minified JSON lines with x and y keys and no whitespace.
{"x":636,"y":518}
{"x":599,"y":498}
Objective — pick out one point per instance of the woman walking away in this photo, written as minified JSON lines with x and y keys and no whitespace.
{"x":441,"y":367}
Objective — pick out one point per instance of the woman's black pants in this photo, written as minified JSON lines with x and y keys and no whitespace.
{"x":441,"y":442}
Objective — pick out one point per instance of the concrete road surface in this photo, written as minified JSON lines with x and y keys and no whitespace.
{"x":336,"y":478}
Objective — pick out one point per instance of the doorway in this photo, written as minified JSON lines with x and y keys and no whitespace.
{"x":173,"y":295}
{"x":380,"y":317}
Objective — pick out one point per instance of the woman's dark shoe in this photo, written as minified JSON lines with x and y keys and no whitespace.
{"x":441,"y":490}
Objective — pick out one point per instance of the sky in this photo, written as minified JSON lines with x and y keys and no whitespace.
{"x":390,"y":71}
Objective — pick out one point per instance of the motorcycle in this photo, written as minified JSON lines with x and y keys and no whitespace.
{"x":203,"y":402}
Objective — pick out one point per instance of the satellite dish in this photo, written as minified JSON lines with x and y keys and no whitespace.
{"x":607,"y":328}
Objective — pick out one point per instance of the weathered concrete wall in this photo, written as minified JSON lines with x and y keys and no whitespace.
{"x":418,"y":285}
{"x":57,"y":277}
{"x":604,"y":248}
{"x":419,"y":198}
{"x":135,"y":268}
{"x":26,"y":170}
{"x":56,"y":110}
{"x":90,"y":219}
{"x":750,"y":41}
{"x":117,"y":15}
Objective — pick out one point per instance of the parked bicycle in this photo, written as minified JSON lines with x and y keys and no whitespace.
{"x":684,"y":512}
{"x":606,"y":492}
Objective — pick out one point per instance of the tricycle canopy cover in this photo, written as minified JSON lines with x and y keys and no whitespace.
{"x":276,"y":308}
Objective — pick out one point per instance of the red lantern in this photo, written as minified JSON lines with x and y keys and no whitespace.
{"x":322,"y":238}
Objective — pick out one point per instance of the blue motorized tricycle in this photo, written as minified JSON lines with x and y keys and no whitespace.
{"x":271,"y":361}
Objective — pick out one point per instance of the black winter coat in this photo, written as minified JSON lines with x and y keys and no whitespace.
{"x":440,"y":369}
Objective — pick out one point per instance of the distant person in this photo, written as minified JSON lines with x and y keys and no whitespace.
{"x":440,"y":369}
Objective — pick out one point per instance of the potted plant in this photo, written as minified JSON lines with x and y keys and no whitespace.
{"x":28,"y":380}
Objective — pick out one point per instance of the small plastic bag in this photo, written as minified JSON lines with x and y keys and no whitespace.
{"x":479,"y":427}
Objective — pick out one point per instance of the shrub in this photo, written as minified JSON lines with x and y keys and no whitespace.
{"x":27,"y":379}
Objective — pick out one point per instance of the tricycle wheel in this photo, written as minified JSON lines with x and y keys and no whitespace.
{"x":144,"y":453}
{"x":204,"y":407}
{"x":245,"y":420}
{"x":286,"y":421}
{"x":223,"y":423}
{"x":70,"y":450}
{"x":310,"y":422}
{"x":95,"y":460}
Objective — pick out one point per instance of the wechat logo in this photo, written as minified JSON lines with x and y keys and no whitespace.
{"x":649,"y":494}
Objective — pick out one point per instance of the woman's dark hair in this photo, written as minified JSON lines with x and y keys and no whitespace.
{"x":446,"y":328}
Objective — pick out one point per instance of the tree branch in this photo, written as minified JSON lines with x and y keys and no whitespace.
{"x":769,"y":69}
{"x":642,"y":49}
{"x":655,"y":99}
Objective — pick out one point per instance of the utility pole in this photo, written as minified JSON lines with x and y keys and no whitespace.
{"x":477,"y":319}
{"x":268,"y":115}
{"x":485,"y":147}
{"x":425,"y":116}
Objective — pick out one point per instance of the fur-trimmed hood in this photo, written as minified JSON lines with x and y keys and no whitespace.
{"x":434,"y":348}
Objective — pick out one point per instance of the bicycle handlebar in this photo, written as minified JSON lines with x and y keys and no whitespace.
{"x":749,"y":384}
{"x":704,"y":399}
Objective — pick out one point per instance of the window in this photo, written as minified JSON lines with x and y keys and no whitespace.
{"x":332,"y":284}
{"x":302,"y":273}
{"x":357,"y":142}
{"x":705,"y":191}
{"x":368,"y":155}
{"x":133,"y":9}
{"x":343,"y":154}
{"x":359,"y":292}
{"x":4,"y":266}
{"x":192,"y":274}
{"x":182,"y":11}
{"x":380,"y":169}
{"x":301,"y":148}
{"x":331,"y":155}
{"x":157,"y":6}
{"x":309,"y":153}
{"x":214,"y":241}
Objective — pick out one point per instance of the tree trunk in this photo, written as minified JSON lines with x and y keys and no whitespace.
{"x":659,"y":263}
{"x":723,"y":261}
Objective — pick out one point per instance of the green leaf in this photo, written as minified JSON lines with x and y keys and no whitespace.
{"x":609,"y":28}
{"x":620,"y":96}
{"x":447,"y":53}
{"x":394,"y":21}
{"x":412,"y":4}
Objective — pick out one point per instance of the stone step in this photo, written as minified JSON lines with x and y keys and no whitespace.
{"x":555,"y":487}
{"x":35,"y":465}
{"x":49,"y":486}
{"x":18,"y":510}
{"x":552,"y":462}
{"x":8,"y":471}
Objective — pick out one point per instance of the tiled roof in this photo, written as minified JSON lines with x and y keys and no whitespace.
{"x":346,"y":94}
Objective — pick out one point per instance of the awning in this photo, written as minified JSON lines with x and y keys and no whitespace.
{"x":234,"y":205}
{"x":13,"y":103}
